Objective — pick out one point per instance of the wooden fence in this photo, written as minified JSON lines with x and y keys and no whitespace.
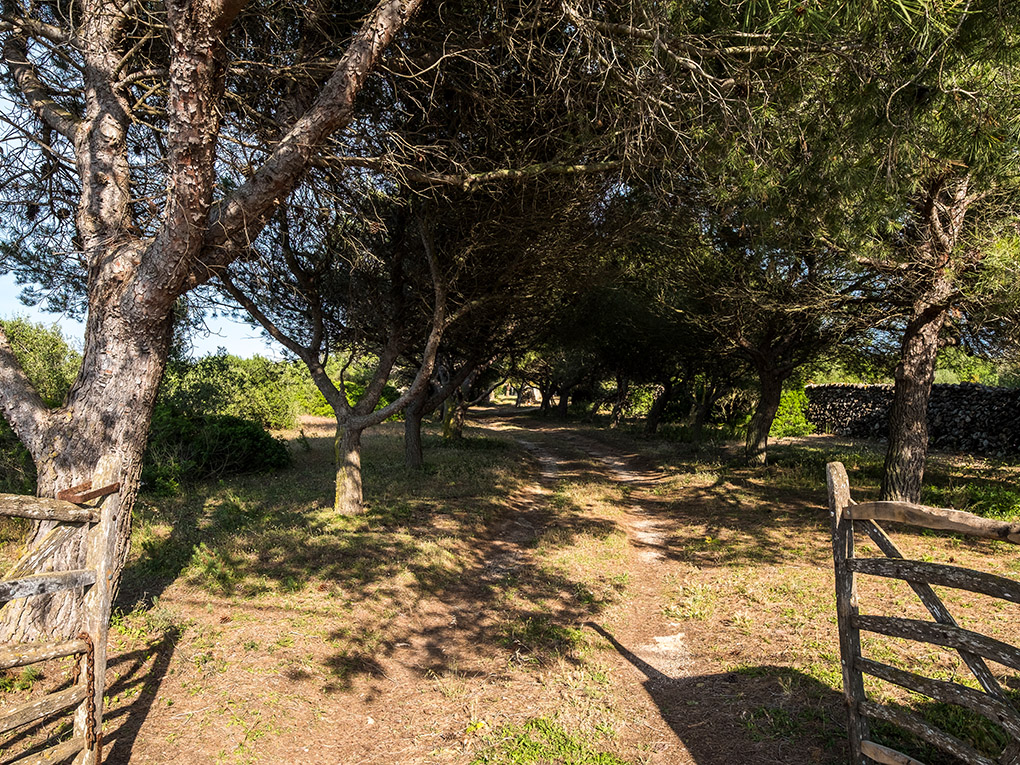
{"x":71,"y":519}
{"x":974,"y":648}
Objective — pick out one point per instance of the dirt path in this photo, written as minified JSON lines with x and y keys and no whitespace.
{"x":683,"y":709}
{"x":578,"y":603}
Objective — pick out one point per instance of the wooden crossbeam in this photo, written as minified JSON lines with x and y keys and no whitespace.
{"x":32,"y":561}
{"x":45,"y":509}
{"x":21,"y":654}
{"x":921,"y":729}
{"x":886,"y":756}
{"x":935,"y":518}
{"x":940,"y":613}
{"x":938,"y":573}
{"x":38,"y":709}
{"x":59,"y":753}
{"x":41,"y":584}
{"x":944,"y":635}
{"x":996,"y":710}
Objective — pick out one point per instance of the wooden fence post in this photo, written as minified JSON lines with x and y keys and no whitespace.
{"x":846,"y":608}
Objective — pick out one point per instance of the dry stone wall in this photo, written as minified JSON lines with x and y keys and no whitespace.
{"x":968,"y":418}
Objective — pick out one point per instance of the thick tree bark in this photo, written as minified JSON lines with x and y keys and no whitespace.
{"x":98,"y":436}
{"x":658,"y":407}
{"x":756,"y":445}
{"x":133,"y":281}
{"x":908,"y":416}
{"x":349,"y":498}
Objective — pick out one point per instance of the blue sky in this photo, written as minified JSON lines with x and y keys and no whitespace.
{"x":239,"y":339}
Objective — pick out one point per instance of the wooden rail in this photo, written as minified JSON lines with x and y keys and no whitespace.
{"x":990,"y":702}
{"x":38,"y":709}
{"x":935,"y":518}
{"x":21,"y":654}
{"x":95,"y":527}
{"x":45,"y":509}
{"x":62,"y":752}
{"x":42,"y":584}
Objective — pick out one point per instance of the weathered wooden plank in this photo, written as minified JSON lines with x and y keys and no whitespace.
{"x":936,"y":518}
{"x":62,"y":752}
{"x":938,"y":611}
{"x":37,"y":709}
{"x":996,"y":710}
{"x":942,"y":634}
{"x":79,"y":495}
{"x":938,"y":573}
{"x":923,"y":730}
{"x":20,"y":654}
{"x":45,"y":509}
{"x":846,"y":607}
{"x":31,"y":561}
{"x":40,"y":584}
{"x":885,"y":755}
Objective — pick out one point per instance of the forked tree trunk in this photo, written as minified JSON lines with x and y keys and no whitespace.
{"x":756,"y":445}
{"x":349,"y":498}
{"x":658,"y":407}
{"x":908,"y":416}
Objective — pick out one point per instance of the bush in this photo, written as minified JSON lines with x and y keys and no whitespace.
{"x":51,"y":366}
{"x":185,"y":447}
{"x":791,"y":418}
{"x":255,"y":389}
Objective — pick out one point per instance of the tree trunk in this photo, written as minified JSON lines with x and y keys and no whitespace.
{"x":546,"y":405}
{"x":658,"y":406}
{"x":563,"y":403}
{"x":908,"y":416}
{"x":99,"y":436}
{"x":413,"y":455}
{"x":756,"y":446}
{"x":347,"y":451}
{"x":703,"y":408}
{"x":622,"y":388}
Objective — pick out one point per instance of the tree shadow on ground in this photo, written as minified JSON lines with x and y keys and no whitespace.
{"x":139,"y":675}
{"x":758,"y":716}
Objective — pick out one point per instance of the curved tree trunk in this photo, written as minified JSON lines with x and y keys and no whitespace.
{"x":756,"y":446}
{"x":658,"y":407}
{"x":908,"y":416}
{"x":347,"y":451}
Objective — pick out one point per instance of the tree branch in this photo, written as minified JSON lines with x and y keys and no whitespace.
{"x":36,"y":94}
{"x":240,"y":218}
{"x":21,"y":405}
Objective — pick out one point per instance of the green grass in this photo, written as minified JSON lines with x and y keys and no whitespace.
{"x":541,"y":742}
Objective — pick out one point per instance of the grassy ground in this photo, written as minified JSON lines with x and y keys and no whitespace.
{"x":540,"y":594}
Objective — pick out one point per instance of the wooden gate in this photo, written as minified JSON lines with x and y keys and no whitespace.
{"x":974,"y":648}
{"x":77,"y":512}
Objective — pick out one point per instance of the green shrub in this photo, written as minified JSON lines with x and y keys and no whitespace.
{"x":255,"y":389}
{"x":791,"y":418}
{"x":183,"y":448}
{"x":51,"y":366}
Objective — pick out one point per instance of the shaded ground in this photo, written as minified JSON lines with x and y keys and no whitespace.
{"x":542,"y":593}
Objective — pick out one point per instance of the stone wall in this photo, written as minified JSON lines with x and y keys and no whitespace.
{"x":968,"y":418}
